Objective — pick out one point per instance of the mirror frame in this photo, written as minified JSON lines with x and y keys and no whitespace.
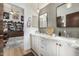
{"x":39,"y":21}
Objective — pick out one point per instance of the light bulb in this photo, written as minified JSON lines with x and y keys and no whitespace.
{"x":11,"y":13}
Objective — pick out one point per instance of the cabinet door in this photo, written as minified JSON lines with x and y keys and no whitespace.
{"x":43,"y":46}
{"x":33,"y":42}
{"x":37,"y":44}
{"x":52,"y":48}
{"x":67,"y":50}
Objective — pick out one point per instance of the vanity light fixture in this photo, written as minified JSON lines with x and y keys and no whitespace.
{"x":69,"y":5}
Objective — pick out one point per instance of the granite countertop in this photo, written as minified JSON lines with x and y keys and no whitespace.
{"x":73,"y":42}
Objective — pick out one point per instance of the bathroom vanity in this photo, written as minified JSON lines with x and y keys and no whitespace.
{"x":66,"y":40}
{"x":46,"y":45}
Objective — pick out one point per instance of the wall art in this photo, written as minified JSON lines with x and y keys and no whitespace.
{"x":6,"y":15}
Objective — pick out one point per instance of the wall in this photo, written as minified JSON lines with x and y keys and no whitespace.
{"x":51,"y":10}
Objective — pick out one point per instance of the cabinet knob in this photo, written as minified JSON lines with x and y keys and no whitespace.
{"x":59,"y":44}
{"x":56,"y":43}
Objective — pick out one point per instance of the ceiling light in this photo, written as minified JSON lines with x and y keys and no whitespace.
{"x":37,"y":11}
{"x":11,"y":13}
{"x":69,"y":5}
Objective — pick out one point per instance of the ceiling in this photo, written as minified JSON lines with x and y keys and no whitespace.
{"x":39,"y":6}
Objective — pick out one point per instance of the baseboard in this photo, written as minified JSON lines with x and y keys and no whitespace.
{"x":34,"y":52}
{"x":27,"y":51}
{"x":30,"y":50}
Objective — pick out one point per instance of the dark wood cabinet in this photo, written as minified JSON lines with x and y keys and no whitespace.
{"x":1,"y":30}
{"x":1,"y":18}
{"x":1,"y":45}
{"x":72,"y":20}
{"x":16,"y":34}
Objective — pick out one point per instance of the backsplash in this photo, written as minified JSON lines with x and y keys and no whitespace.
{"x":70,"y":32}
{"x":74,"y":32}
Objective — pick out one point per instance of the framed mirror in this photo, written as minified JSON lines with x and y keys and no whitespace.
{"x":60,"y":16}
{"x":43,"y":22}
{"x":68,"y":15}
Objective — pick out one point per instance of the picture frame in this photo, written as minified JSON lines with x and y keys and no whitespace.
{"x":22,"y":18}
{"x":29,"y":22}
{"x":6,"y":15}
{"x":11,"y":26}
{"x":19,"y":26}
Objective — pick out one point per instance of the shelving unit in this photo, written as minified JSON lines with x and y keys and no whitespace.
{"x":11,"y":25}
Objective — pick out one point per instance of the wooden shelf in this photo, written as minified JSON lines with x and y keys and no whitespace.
{"x":16,"y":34}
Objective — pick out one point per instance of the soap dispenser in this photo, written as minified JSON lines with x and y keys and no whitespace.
{"x":59,"y":34}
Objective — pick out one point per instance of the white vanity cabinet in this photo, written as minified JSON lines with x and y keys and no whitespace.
{"x":65,"y":49}
{"x":43,"y":47}
{"x":53,"y":47}
{"x":35,"y":43}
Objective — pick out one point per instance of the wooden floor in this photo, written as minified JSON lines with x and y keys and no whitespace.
{"x":29,"y":54}
{"x":17,"y":52}
{"x":14,"y":52}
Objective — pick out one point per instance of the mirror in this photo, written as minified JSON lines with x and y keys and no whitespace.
{"x":43,"y":23}
{"x":43,"y":20}
{"x":68,"y":15}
